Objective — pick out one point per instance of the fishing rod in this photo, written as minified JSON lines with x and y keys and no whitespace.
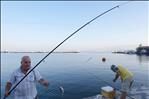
{"x":61,"y":44}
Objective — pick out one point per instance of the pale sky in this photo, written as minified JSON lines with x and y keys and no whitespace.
{"x":41,"y":25}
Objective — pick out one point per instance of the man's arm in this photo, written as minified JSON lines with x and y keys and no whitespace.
{"x":44,"y":82}
{"x":7,"y":88}
{"x":39,"y":78}
{"x":116,"y":77}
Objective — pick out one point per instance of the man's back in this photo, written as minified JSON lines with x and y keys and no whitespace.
{"x":124,"y":73}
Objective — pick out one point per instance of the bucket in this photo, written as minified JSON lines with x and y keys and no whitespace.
{"x":108,"y":92}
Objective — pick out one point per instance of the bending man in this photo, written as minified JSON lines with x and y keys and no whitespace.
{"x":126,"y":79}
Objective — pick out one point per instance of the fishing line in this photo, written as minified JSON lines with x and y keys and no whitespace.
{"x":55,"y":91}
{"x":61,"y":44}
{"x":89,"y":59}
{"x":47,"y":92}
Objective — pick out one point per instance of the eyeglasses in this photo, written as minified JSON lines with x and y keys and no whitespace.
{"x":27,"y":62}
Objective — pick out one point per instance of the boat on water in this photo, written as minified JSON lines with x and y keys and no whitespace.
{"x":142,"y":50}
{"x":141,"y":92}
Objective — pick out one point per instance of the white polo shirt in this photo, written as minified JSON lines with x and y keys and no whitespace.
{"x":27,"y":88}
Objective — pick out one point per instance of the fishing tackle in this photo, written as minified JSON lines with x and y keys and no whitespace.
{"x":61,"y":90}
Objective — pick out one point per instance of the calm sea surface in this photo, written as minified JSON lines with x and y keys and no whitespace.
{"x":80,"y":74}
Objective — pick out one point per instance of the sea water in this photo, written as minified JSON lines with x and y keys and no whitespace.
{"x":80,"y":74}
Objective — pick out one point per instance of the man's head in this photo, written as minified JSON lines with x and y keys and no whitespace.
{"x":25,"y":63}
{"x":114,"y":68}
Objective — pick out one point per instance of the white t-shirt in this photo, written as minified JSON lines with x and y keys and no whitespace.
{"x":27,"y":88}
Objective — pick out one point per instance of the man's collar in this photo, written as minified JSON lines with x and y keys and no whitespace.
{"x":21,"y":70}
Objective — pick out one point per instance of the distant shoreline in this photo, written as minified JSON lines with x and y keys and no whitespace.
{"x":38,"y":52}
{"x":141,"y":50}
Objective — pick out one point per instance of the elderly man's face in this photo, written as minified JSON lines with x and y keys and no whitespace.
{"x":26,"y":63}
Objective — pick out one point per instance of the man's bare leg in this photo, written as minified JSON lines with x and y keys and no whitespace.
{"x":123,"y":95}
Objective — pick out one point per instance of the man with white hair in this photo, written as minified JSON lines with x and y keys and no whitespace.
{"x":27,"y":88}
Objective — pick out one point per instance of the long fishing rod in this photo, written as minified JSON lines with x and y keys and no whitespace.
{"x":61,"y":44}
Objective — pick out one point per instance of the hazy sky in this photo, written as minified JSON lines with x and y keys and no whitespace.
{"x":41,"y":25}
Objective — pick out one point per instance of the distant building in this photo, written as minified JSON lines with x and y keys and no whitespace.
{"x":142,"y":50}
